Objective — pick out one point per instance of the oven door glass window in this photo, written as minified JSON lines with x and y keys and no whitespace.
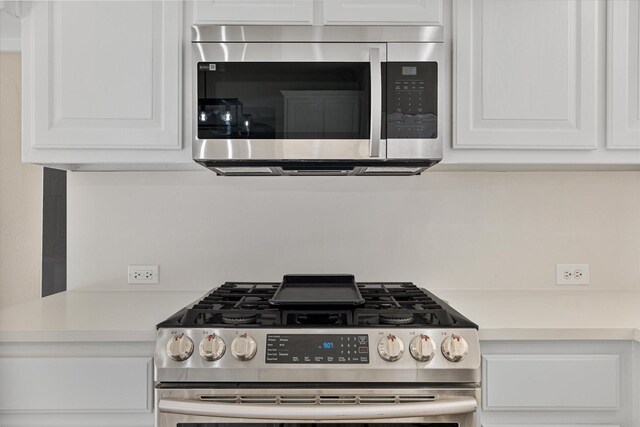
{"x":284,"y":100}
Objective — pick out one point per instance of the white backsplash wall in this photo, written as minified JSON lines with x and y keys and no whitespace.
{"x":440,"y":230}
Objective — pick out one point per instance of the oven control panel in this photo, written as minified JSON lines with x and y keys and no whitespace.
{"x":385,"y":354}
{"x":313,"y":348}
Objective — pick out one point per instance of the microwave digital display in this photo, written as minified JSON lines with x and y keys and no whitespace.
{"x":409,"y":71}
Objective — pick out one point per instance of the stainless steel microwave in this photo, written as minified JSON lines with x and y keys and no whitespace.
{"x":304,"y":100}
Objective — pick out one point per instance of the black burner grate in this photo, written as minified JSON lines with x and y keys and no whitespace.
{"x":386,"y":305}
{"x":234,"y":304}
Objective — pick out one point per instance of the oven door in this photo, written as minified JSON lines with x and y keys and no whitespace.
{"x":217,"y":407}
{"x":288,"y":101}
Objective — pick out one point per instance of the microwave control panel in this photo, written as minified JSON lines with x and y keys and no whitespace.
{"x":412,"y":100}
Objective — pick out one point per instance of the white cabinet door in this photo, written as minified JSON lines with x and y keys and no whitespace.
{"x":381,"y":12}
{"x":260,"y":12}
{"x":75,"y":384}
{"x":102,"y":82}
{"x":528,"y":74}
{"x":623,"y":88}
{"x":553,"y":382}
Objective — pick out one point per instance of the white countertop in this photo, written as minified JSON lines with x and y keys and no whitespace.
{"x":549,"y":314}
{"x":92,"y":315}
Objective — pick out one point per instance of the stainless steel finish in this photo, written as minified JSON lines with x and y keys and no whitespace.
{"x":258,"y":170}
{"x":390,"y":348}
{"x":347,"y":171}
{"x":459,"y":405}
{"x":283,"y":149}
{"x":243,"y":347}
{"x":404,"y":370}
{"x":212,"y":348}
{"x":284,"y":52}
{"x":267,"y":405}
{"x":422,"y":348}
{"x":309,"y":44}
{"x":410,"y":148}
{"x":179,"y":348}
{"x":390,"y":170}
{"x":455,"y":348}
{"x":376,"y":101}
{"x":408,"y":52}
{"x":307,"y":33}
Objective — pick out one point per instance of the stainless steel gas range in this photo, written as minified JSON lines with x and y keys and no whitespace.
{"x":317,"y":350}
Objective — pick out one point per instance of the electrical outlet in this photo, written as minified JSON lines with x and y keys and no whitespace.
{"x":143,"y":274}
{"x":572,"y":274}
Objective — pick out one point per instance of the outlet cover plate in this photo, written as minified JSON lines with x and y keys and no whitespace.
{"x":142,"y":274}
{"x":572,"y":274}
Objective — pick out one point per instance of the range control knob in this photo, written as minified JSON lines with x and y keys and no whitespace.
{"x":212,"y":348}
{"x":244,"y":347}
{"x":390,"y":348}
{"x":180,"y":347}
{"x":422,"y":348}
{"x":454,"y":348}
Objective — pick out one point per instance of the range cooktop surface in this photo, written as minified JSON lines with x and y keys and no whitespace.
{"x":388,"y":305}
{"x":334,"y":328}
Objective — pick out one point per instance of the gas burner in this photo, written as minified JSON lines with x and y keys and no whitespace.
{"x":249,"y":306}
{"x":327,"y":319}
{"x":396,"y":319}
{"x":238,"y":319}
{"x":387,"y":305}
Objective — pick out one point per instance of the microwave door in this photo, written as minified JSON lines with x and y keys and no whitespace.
{"x":288,"y":101}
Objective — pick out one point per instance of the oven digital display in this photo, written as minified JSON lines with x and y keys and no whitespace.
{"x":303,"y":348}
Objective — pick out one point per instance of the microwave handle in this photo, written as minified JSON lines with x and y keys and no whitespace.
{"x":376,"y":101}
{"x":449,"y":406}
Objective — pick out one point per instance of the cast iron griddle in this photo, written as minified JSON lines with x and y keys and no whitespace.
{"x":317,"y":290}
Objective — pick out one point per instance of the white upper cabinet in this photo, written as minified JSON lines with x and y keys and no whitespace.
{"x":528,"y":74}
{"x":327,"y":12}
{"x":256,"y":12}
{"x":382,"y":12}
{"x":102,"y":83}
{"x":623,"y":86}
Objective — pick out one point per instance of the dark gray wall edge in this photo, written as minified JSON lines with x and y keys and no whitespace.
{"x":54,"y":231}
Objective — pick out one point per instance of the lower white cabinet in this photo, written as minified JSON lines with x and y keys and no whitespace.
{"x":559,"y":383}
{"x":553,"y":382}
{"x":87,"y":384}
{"x":76,"y":384}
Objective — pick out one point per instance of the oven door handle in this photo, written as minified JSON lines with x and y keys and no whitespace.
{"x":376,"y":101}
{"x":448,"y":406}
